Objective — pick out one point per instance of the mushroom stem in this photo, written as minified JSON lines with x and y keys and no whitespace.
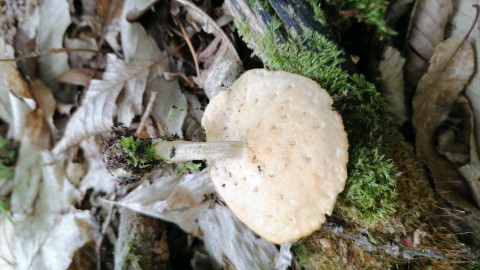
{"x":177,"y":151}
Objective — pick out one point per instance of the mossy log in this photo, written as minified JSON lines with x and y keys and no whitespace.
{"x":387,"y":198}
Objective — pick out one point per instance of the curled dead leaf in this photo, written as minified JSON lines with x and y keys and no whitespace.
{"x":426,"y":31}
{"x":451,"y":66}
{"x":14,"y":79}
{"x":77,"y":76}
{"x":391,"y":76}
{"x":38,"y":130}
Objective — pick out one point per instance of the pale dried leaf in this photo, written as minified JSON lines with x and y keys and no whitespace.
{"x":54,"y":19}
{"x":83,"y":41}
{"x":37,"y":239}
{"x":188,"y":202}
{"x":77,"y":76}
{"x":7,"y":259}
{"x":136,"y":44}
{"x":13,"y":109}
{"x":96,"y":176}
{"x":145,"y":50}
{"x":5,"y":108}
{"x":459,"y":25}
{"x":169,"y":96}
{"x":26,"y":180}
{"x":391,"y":76}
{"x":222,"y":68}
{"x":471,"y":171}
{"x":98,"y":108}
{"x":20,"y":110}
{"x":451,"y":66}
{"x":426,"y":30}
{"x":54,"y":227}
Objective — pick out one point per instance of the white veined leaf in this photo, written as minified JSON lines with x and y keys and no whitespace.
{"x":99,"y":105}
{"x":189,"y":202}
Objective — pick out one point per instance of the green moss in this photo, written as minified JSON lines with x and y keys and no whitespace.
{"x":7,"y":158}
{"x":301,"y":253}
{"x":139,"y":151}
{"x":368,"y":189}
{"x":131,"y":261}
{"x":188,"y":167}
{"x":357,"y":100}
{"x":369,"y":11}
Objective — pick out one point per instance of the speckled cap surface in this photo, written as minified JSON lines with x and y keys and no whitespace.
{"x":294,"y":165}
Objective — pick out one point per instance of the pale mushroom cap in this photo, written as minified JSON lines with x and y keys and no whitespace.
{"x":297,"y":151}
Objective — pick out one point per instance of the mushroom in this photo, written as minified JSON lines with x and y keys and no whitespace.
{"x":295,"y":155}
{"x":276,"y":150}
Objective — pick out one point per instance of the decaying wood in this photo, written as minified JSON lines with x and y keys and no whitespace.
{"x":451,"y":66}
{"x":427,"y":26}
{"x":142,"y":242}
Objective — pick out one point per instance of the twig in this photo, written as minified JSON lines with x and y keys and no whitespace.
{"x":99,"y":241}
{"x":391,"y":248}
{"x":51,"y":51}
{"x":148,"y":111}
{"x":190,"y":46}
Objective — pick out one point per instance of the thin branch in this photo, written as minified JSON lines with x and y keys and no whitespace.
{"x":105,"y":226}
{"x":148,"y":111}
{"x":190,"y":46}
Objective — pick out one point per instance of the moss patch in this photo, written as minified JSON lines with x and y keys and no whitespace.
{"x":129,"y":158}
{"x":140,"y":152}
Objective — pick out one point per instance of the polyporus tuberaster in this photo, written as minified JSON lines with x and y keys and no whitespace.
{"x":293,"y":164}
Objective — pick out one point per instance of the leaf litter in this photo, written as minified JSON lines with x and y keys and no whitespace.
{"x":115,"y":87}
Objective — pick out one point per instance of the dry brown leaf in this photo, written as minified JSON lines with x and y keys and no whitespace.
{"x":38,"y":130}
{"x":77,"y":76}
{"x":108,"y":10}
{"x":14,"y":79}
{"x":451,"y":66}
{"x":44,"y":97}
{"x":391,"y":80}
{"x":427,"y":26}
{"x":99,"y":105}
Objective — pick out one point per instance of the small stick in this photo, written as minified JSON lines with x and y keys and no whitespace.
{"x":148,"y":111}
{"x":190,"y":46}
{"x":51,"y":51}
{"x":99,"y":242}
